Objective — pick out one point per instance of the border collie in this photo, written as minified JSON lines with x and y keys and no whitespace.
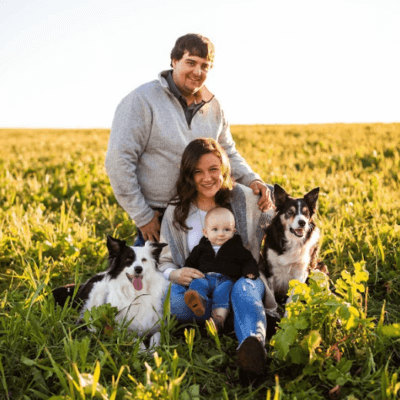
{"x":132,"y":284}
{"x":291,"y":241}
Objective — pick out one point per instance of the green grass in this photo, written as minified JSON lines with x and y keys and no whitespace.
{"x":57,"y":207}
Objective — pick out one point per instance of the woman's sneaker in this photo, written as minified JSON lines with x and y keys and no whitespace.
{"x":252,"y":356}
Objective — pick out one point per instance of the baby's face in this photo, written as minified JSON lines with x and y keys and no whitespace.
{"x":219,"y":229}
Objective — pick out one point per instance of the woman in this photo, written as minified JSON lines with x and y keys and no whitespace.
{"x":204,"y":183}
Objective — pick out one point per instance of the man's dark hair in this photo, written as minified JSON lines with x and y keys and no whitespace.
{"x":196,"y":45}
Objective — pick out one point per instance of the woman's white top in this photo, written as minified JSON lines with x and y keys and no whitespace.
{"x":196,"y":223}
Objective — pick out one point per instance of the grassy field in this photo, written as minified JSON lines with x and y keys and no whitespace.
{"x":57,"y":207}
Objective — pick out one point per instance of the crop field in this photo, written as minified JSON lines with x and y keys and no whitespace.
{"x":341,"y":339}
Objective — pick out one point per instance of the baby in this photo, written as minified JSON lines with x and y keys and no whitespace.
{"x":222,"y":257}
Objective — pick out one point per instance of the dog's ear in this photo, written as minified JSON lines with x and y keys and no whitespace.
{"x":114,"y":246}
{"x":156,"y":249}
{"x":311,"y":198}
{"x":279,"y":195}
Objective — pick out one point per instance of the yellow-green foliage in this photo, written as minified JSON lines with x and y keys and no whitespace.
{"x":56,"y":207}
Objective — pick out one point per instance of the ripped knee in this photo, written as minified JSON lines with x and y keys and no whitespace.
{"x":243,"y":288}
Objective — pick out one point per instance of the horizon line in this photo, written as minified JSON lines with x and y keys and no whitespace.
{"x":231,"y":124}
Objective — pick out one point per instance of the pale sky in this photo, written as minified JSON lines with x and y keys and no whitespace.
{"x":68,"y":63}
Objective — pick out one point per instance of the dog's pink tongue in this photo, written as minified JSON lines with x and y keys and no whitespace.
{"x":137,"y":283}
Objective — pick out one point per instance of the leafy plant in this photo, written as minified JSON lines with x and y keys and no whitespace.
{"x":327,"y":332}
{"x":319,"y":319}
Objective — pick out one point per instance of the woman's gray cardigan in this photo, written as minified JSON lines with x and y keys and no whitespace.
{"x":250,"y":222}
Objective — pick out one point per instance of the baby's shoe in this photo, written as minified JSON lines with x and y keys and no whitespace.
{"x":195,"y":302}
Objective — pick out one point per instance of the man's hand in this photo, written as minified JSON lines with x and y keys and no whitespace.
{"x":265,"y":202}
{"x":151,"y":231}
{"x":183,"y":276}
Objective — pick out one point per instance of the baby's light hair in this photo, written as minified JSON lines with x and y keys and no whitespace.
{"x":218,"y":211}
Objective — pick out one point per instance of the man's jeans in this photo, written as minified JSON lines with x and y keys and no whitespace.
{"x":139,"y":238}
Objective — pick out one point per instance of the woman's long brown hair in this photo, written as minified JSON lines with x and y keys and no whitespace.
{"x":186,"y":187}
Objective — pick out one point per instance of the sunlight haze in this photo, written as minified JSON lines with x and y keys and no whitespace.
{"x":67,"y":64}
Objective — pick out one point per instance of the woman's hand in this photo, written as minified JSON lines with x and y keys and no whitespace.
{"x":183,"y":276}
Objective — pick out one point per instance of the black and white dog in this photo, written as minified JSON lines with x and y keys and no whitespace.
{"x":132,"y":284}
{"x":291,"y":241}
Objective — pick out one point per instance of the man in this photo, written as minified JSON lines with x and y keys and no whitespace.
{"x":151,"y":128}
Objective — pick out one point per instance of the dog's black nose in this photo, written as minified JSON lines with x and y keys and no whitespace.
{"x":138,"y":270}
{"x":302,"y":223}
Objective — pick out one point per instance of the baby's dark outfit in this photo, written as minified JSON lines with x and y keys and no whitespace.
{"x":221,"y":269}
